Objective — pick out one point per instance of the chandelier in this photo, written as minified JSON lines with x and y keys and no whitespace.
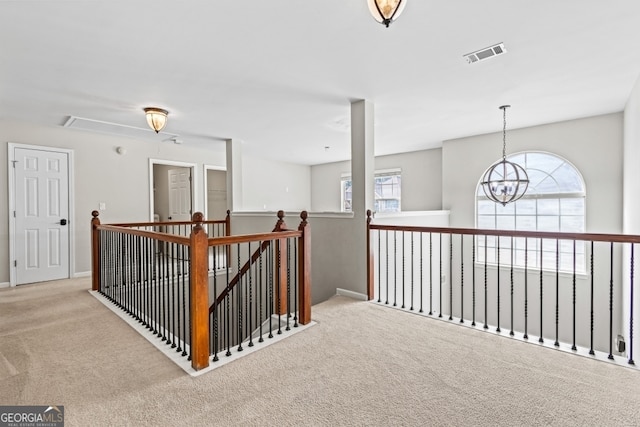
{"x":386,"y":11}
{"x":156,"y":118}
{"x":505,"y":182}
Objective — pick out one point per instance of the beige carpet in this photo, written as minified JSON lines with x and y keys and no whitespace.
{"x":361,"y":365}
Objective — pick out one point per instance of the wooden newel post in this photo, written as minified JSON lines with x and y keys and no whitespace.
{"x":304,"y":270}
{"x":370,"y":278}
{"x":281,"y":267}
{"x":95,"y":251}
{"x":199,"y":286}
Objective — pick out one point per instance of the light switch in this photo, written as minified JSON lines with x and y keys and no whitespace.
{"x":103,"y":206}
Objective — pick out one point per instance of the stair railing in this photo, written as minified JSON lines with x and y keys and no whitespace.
{"x":167,"y":289}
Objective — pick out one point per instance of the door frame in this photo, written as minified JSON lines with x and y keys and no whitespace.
{"x":194,"y":182}
{"x":11,"y":146}
{"x":205,"y":179}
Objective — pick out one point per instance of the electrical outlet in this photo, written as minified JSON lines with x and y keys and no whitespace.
{"x":102,"y":206}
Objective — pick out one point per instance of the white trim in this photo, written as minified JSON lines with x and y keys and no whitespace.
{"x":82,"y":274}
{"x":194,"y":182}
{"x":4,"y":285}
{"x":11,"y":147}
{"x":351,"y":294}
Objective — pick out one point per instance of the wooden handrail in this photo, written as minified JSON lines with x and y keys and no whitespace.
{"x":246,"y":238}
{"x":156,"y":235}
{"x":596,"y":237}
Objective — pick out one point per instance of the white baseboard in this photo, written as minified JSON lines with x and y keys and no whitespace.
{"x":351,"y":294}
{"x":4,"y":285}
{"x":82,"y":274}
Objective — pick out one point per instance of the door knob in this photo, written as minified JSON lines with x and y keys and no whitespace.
{"x":63,"y":222}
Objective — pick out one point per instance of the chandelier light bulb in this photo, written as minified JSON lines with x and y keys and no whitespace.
{"x":386,"y":11}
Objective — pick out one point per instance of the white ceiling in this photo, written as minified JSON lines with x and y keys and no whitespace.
{"x":279,"y":75}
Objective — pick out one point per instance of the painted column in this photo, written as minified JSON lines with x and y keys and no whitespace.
{"x":362,"y":181}
{"x":362,"y":158}
{"x":234,"y":175}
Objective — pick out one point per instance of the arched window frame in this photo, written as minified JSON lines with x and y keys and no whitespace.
{"x":539,"y":205}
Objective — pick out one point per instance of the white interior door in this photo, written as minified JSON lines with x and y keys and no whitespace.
{"x":180,"y":194}
{"x":41,"y":215}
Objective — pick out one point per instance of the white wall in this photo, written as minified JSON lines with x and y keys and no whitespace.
{"x":421,"y":181}
{"x":101,"y":175}
{"x":269,"y":185}
{"x":593,"y":145}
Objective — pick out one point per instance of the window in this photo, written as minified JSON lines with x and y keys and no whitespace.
{"x":387,"y":189}
{"x":554,"y":201}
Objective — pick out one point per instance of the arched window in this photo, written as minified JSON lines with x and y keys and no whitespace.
{"x":554,"y":201}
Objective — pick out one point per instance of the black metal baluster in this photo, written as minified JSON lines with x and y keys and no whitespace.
{"x":557,"y":343}
{"x":172,"y":296}
{"x":227,"y":306}
{"x":404,"y":287}
{"x":240,"y":311}
{"x":395,"y":269}
{"x":526,"y":288}
{"x":412,"y":274}
{"x":184,"y":307}
{"x":250,"y":310}
{"x":541,"y":340}
{"x":498,"y":278}
{"x":430,"y":274}
{"x":379,"y":268}
{"x":296,"y":283}
{"x":462,"y":278}
{"x":591,"y":352}
{"x":260,"y":283}
{"x":288,"y":283}
{"x":573,"y":347}
{"x":511,"y":284}
{"x":278,"y":288}
{"x":473,"y":280}
{"x":214,"y":313}
{"x":450,"y":276}
{"x":485,"y":283}
{"x":611,"y":307}
{"x":421,"y":276}
{"x":631,"y":277}
{"x":440,"y":278}
{"x":165,"y":293}
{"x":386,"y":234}
{"x":270,"y":267}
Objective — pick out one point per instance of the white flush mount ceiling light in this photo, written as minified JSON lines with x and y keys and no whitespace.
{"x":156,"y":118}
{"x":505,"y":182}
{"x":386,"y":11}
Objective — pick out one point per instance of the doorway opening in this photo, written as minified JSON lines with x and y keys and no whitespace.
{"x":215,"y":192}
{"x":172,"y":188}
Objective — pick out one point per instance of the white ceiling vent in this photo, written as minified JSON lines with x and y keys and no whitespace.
{"x":99,"y":126}
{"x":486,"y":53}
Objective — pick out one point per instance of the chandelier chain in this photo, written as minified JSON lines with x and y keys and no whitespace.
{"x":504,"y":132}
